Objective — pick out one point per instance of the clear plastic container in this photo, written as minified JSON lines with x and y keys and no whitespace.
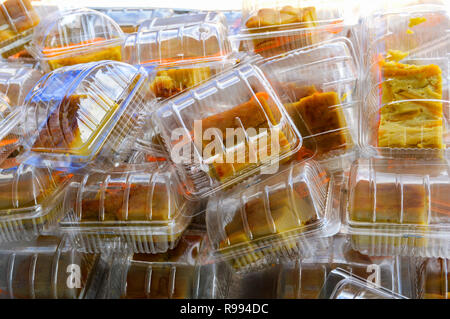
{"x":287,"y":215}
{"x":76,"y":36}
{"x":142,"y":211}
{"x":31,"y":201}
{"x":84,"y":113}
{"x":434,"y":279}
{"x":304,"y":278}
{"x":18,"y":19}
{"x":270,"y":28}
{"x":16,"y":80}
{"x":318,"y":86}
{"x":398,"y":207}
{"x":407,"y":104}
{"x":173,"y":40}
{"x":172,"y":275}
{"x":341,"y":284}
{"x":46,"y":268}
{"x":11,"y":134}
{"x":241,"y":100}
{"x":129,"y":19}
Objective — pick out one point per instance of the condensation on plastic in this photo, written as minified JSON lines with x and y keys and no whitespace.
{"x":272,"y":28}
{"x":286,"y":215}
{"x":16,"y":80}
{"x":341,"y":284}
{"x":171,"y":42}
{"x":398,"y":207}
{"x":226,"y":102}
{"x":76,"y":36}
{"x":84,"y":113}
{"x":304,"y":278}
{"x":418,"y":35}
{"x":142,"y":211}
{"x":323,"y":77}
{"x":31,"y":201}
{"x":129,"y":19}
{"x":17,"y":21}
{"x":434,"y":279}
{"x":47,"y":268}
{"x":173,"y":275}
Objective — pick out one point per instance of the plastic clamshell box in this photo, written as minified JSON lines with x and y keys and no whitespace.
{"x":193,"y":124}
{"x":398,"y":207}
{"x":46,"y":268}
{"x":11,"y":133}
{"x":175,"y":274}
{"x":434,"y":279}
{"x":76,"y":36}
{"x":287,"y":215}
{"x":406,"y":96}
{"x":341,"y":284}
{"x":86,"y":112}
{"x":129,"y":19}
{"x":16,"y":80}
{"x":17,"y":21}
{"x":304,"y":278}
{"x":170,"y":42}
{"x":184,"y":20}
{"x":31,"y":201}
{"x":272,"y":28}
{"x":318,"y":86}
{"x":142,"y":211}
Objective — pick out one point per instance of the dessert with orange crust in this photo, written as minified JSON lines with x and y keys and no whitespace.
{"x":411,"y":114}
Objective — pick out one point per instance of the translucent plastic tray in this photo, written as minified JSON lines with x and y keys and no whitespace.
{"x":341,"y":284}
{"x":172,"y":275}
{"x":241,"y":100}
{"x":318,"y":86}
{"x":17,"y":21}
{"x":129,"y":19}
{"x":16,"y":80}
{"x":86,"y":112}
{"x":286,"y":215}
{"x":47,"y":268}
{"x":407,"y":104}
{"x":398,"y":207}
{"x":172,"y":42}
{"x":304,"y":278}
{"x":76,"y":36}
{"x":434,"y":279}
{"x":141,"y":211}
{"x":272,"y":28}
{"x":31,"y":201}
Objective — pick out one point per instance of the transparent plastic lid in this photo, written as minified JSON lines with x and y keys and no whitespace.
{"x":282,"y":215}
{"x":46,"y":268}
{"x":75,"y":112}
{"x":11,"y":134}
{"x":399,"y":207}
{"x":30,"y":200}
{"x":172,"y":42}
{"x":183,"y":20}
{"x":341,"y":284}
{"x":17,"y":20}
{"x":239,"y":103}
{"x":434,"y":279}
{"x":145,"y":210}
{"x":304,"y":278}
{"x":318,"y":86}
{"x":270,"y":28}
{"x":76,"y":36}
{"x":406,"y":109}
{"x":16,"y":80}
{"x":172,"y":275}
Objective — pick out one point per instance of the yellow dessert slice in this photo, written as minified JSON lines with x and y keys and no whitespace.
{"x":411,"y":115}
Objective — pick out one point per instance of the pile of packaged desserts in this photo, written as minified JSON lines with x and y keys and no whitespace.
{"x":294,"y":149}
